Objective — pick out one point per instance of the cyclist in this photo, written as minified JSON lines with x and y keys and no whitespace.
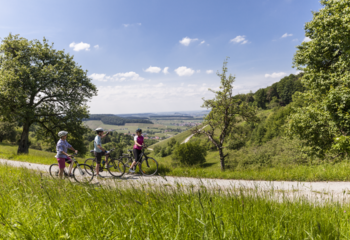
{"x":62,"y":156}
{"x":138,"y":139}
{"x":99,"y":151}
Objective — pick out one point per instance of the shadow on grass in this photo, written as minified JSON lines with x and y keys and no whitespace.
{"x":163,"y":170}
{"x":205,"y":165}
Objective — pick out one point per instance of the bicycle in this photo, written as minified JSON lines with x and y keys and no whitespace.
{"x":116,"y":168}
{"x":79,"y":174}
{"x":147,"y":166}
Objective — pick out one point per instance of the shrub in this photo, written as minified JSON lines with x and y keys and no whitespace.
{"x":190,"y":153}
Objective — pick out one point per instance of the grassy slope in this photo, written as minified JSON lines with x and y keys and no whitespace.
{"x":179,"y":138}
{"x":36,"y":207}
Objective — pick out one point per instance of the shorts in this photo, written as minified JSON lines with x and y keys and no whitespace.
{"x":137,"y":154}
{"x":62,"y":162}
{"x":98,"y":156}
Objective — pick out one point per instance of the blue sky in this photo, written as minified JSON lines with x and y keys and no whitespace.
{"x":158,"y":55}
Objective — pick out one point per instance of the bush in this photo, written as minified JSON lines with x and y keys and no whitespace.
{"x":190,"y":153}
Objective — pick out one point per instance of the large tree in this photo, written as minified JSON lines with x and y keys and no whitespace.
{"x":39,"y":84}
{"x":324,"y":123}
{"x":225,"y":115}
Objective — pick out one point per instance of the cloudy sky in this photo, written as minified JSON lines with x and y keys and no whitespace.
{"x":158,"y":55}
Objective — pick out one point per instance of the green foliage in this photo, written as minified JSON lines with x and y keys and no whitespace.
{"x":275,"y":153}
{"x":7,"y":131}
{"x":325,"y":61}
{"x":44,"y":86}
{"x":190,"y":153}
{"x":163,"y":151}
{"x":260,"y":98}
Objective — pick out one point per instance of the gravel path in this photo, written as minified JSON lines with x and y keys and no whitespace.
{"x":334,"y":191}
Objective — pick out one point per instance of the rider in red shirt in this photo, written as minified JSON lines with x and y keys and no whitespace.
{"x":137,"y":148}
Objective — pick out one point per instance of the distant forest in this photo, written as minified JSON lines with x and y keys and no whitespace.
{"x":171,"y":117}
{"x":115,"y":120}
{"x":278,"y":94}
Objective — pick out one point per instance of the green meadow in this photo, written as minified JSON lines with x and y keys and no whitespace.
{"x":34,"y":206}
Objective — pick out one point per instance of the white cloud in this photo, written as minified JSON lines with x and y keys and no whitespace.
{"x":131,"y":24}
{"x":202,"y":42}
{"x":307,"y":39}
{"x":119,"y":77}
{"x":186,"y":41}
{"x":286,"y":35}
{"x":209,"y":71}
{"x":182,"y":84}
{"x":184,"y":71}
{"x":154,"y":97}
{"x":192,"y":85}
{"x":239,"y":39}
{"x":198,"y":71}
{"x":80,"y":46}
{"x":165,"y":70}
{"x":295,"y":40}
{"x":96,"y":46}
{"x":276,"y":75}
{"x":153,"y":69}
{"x":159,"y":85}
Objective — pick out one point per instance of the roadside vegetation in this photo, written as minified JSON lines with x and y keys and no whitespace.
{"x":34,"y":206}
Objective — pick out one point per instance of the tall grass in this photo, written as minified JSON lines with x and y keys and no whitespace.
{"x":33,"y":206}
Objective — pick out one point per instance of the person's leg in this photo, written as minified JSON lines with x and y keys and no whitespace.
{"x":70,"y":161}
{"x":136,"y":157}
{"x":98,"y":162}
{"x":61,"y":166}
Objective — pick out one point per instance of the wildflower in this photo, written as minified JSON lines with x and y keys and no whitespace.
{"x":344,"y":211}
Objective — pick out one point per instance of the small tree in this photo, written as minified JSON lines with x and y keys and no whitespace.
{"x":39,"y":84}
{"x":225,"y":115}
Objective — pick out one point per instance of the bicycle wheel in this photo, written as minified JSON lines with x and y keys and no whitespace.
{"x":117,"y":168}
{"x":80,"y":174}
{"x":149,"y":166}
{"x":92,"y":163}
{"x":54,"y":169}
{"x":126,"y":160}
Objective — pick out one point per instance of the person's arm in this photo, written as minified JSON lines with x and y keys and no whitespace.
{"x":101,"y":148}
{"x":105,"y":134}
{"x":137,"y":144}
{"x":60,"y":150}
{"x":71,"y":148}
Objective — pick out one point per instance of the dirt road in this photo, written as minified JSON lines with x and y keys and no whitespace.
{"x":334,"y":191}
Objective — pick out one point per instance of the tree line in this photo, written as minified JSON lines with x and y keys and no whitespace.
{"x":116,"y":120}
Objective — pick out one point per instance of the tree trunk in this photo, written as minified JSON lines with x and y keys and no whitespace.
{"x":23,"y":144}
{"x":222,"y":159}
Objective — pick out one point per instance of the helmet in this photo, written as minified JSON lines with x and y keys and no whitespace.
{"x":99,"y":129}
{"x":139,"y":130}
{"x":62,"y":133}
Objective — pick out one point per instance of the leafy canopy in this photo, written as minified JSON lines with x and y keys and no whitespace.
{"x":324,"y":123}
{"x":39,"y":84}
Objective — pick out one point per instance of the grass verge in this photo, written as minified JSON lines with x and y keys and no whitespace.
{"x":37,"y":207}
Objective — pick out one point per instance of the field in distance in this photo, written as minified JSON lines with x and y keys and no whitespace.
{"x":162,"y":128}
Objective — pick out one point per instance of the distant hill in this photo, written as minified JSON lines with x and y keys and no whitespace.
{"x":116,"y":120}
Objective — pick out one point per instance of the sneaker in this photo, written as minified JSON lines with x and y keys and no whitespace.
{"x":109,"y":166}
{"x":71,"y":175}
{"x":131,"y":171}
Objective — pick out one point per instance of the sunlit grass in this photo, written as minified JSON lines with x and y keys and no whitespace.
{"x":33,"y":206}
